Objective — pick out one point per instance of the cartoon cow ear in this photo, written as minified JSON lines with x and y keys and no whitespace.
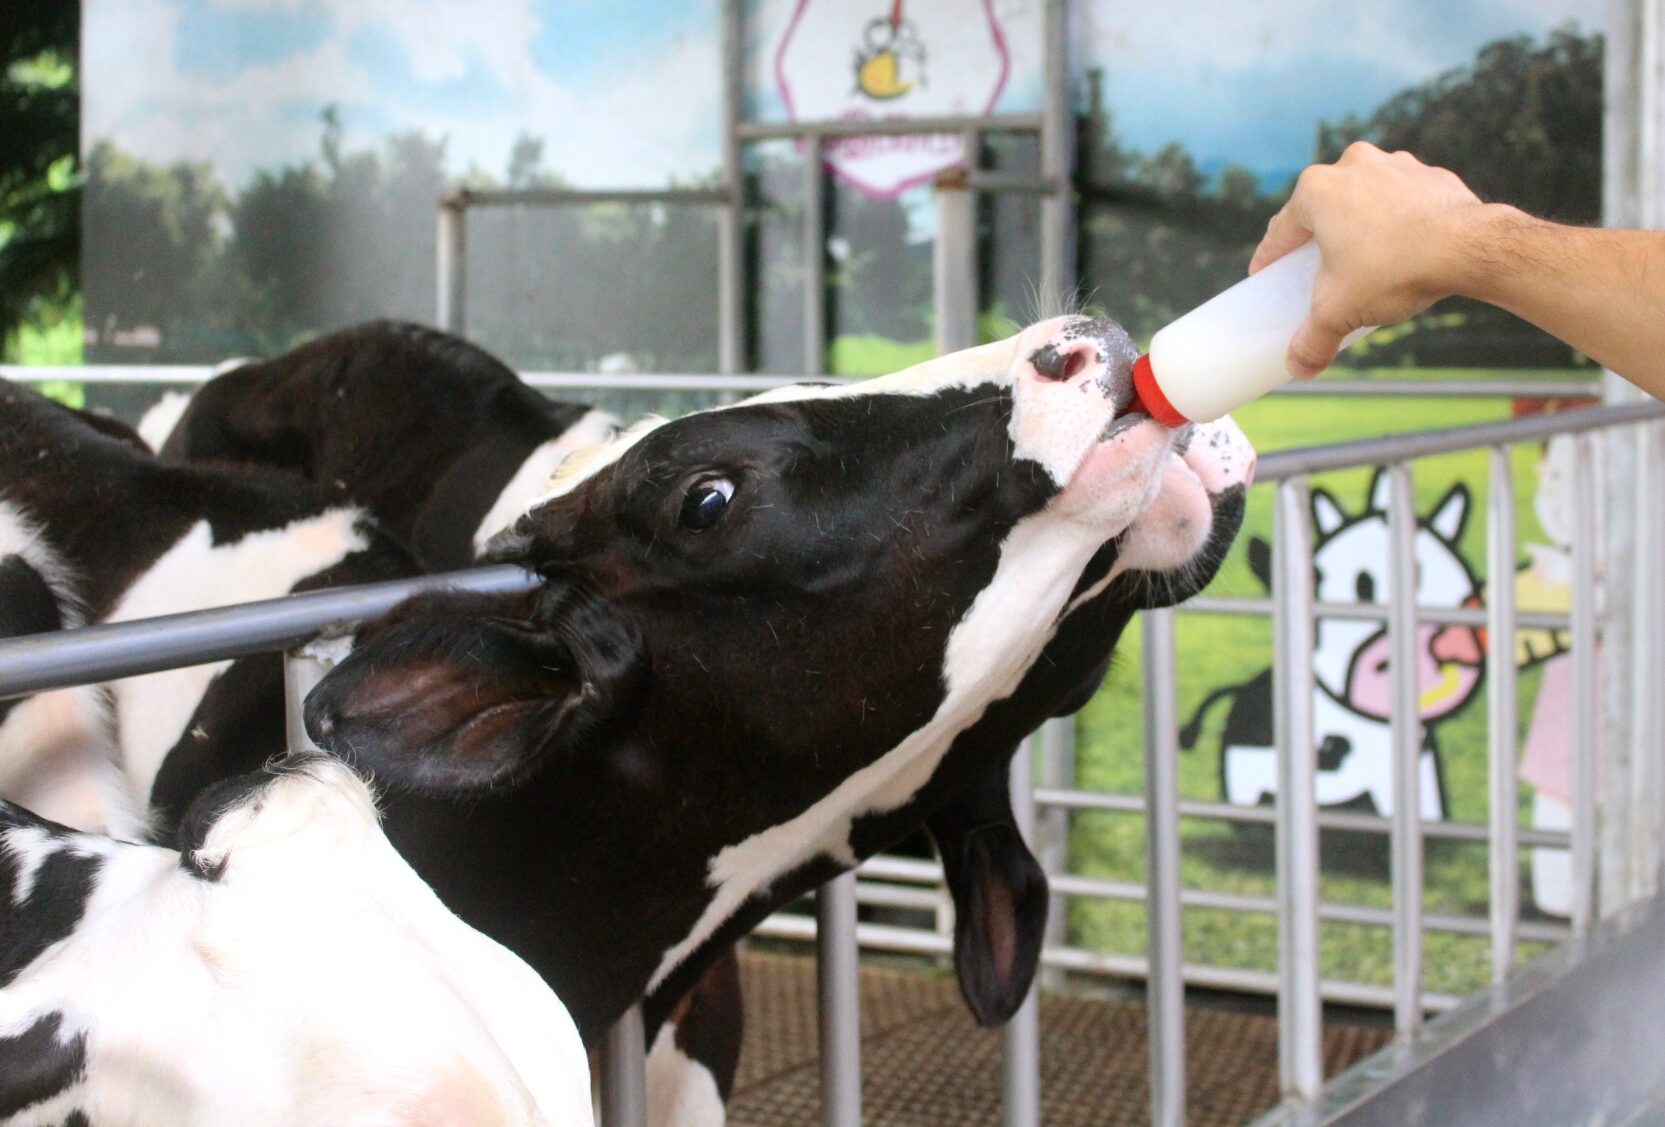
{"x":1381,"y":490}
{"x":1451,"y":514}
{"x":1326,"y":517}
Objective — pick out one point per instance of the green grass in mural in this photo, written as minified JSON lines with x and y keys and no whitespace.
{"x":1217,"y":651}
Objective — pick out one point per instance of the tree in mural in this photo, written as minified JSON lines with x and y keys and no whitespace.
{"x":40,"y":236}
{"x":1522,"y":125}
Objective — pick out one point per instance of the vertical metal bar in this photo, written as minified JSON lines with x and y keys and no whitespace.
{"x":731,"y":281}
{"x":1053,"y":832}
{"x":815,"y":251}
{"x":1165,"y":985}
{"x":1502,"y":716}
{"x":624,"y":1073}
{"x":839,"y":985}
{"x":1300,"y":1014}
{"x":954,"y":258}
{"x":1407,"y":755}
{"x":1020,"y":1077}
{"x":300,"y":673}
{"x":1653,"y":748}
{"x":1585,"y":688}
{"x":1647,"y":669}
{"x":452,"y":264}
{"x":1057,"y":280}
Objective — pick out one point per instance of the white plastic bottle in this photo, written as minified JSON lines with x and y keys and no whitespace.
{"x":1232,"y":348}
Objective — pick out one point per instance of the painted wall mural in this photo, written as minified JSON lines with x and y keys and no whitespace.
{"x":1352,"y":697}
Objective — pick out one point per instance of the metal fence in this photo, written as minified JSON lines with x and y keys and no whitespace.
{"x":108,"y":652}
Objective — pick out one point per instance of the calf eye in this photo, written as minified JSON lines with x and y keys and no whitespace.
{"x":705,"y":503}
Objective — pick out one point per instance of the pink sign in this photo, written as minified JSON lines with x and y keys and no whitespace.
{"x":846,"y":61}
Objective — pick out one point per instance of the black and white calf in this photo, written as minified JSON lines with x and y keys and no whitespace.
{"x":781,"y":634}
{"x":285,"y":967}
{"x":95,"y":528}
{"x":433,"y":435}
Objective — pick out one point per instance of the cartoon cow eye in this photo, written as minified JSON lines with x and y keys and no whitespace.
{"x":1365,"y":587}
{"x":705,"y":503}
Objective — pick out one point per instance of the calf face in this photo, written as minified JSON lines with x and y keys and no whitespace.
{"x":285,"y":967}
{"x":781,"y":633}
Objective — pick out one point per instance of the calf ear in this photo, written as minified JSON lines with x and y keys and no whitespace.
{"x":462,"y":693}
{"x":1000,"y":899}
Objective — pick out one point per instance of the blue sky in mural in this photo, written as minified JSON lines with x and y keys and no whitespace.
{"x":626,"y":92}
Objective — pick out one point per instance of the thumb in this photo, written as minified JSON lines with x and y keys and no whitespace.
{"x":1312,"y":349}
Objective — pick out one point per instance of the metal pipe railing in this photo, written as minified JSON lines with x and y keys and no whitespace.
{"x":1300,"y":1013}
{"x":1165,"y":988}
{"x":1406,"y":722}
{"x":1503,"y":855}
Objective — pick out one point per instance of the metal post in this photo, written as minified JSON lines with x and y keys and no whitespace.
{"x":1057,"y":281}
{"x":624,"y":1073}
{"x":1407,"y":756}
{"x":1504,"y":848}
{"x":1300,"y":1014}
{"x":1053,"y":835}
{"x":954,"y":261}
{"x":731,"y":280}
{"x":839,"y":985}
{"x":452,"y":264}
{"x":1585,"y":689}
{"x":1647,"y":641}
{"x":815,"y":252}
{"x":301,"y":671}
{"x":1020,"y":1077}
{"x":1165,"y":986}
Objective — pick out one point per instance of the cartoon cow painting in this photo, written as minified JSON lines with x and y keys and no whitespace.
{"x":1353,"y":697}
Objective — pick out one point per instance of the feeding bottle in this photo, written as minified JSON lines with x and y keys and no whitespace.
{"x":1232,"y":348}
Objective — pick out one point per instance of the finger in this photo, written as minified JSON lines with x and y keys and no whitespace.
{"x":1313,"y":349}
{"x":1284,"y":233}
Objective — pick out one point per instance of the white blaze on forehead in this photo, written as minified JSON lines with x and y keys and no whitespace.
{"x":593,"y":429}
{"x":152,"y":711}
{"x":987,"y":364}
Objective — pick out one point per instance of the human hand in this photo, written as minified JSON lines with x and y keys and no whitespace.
{"x":1391,"y":231}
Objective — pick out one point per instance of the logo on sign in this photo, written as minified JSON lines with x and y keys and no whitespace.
{"x":836,"y":62}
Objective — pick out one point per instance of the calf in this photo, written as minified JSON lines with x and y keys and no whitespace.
{"x":781,"y":634}
{"x":436,"y":437}
{"x":115,"y":534}
{"x":284,"y":966}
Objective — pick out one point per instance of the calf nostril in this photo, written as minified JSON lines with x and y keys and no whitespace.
{"x":1056,"y":363}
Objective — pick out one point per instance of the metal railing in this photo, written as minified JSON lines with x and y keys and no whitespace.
{"x":127,"y":649}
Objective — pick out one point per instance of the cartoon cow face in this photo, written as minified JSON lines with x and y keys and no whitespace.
{"x":1351,"y":563}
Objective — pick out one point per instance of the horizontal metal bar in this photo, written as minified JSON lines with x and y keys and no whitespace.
{"x":1017,"y":183}
{"x":1098,"y":888}
{"x":907,"y":869}
{"x":127,"y":649}
{"x":884,"y":937}
{"x":703,"y":381}
{"x":632,"y":381}
{"x":1375,"y":612}
{"x":1282,"y":464}
{"x":1062,"y":798}
{"x":1371,"y":387}
{"x":581,"y":197}
{"x":887,"y":127}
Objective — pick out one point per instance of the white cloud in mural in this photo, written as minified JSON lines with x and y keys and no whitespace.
{"x":653,"y":119}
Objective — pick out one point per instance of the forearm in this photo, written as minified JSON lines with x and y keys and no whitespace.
{"x":1602,"y":291}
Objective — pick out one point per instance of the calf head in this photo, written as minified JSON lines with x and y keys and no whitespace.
{"x":791,"y":628}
